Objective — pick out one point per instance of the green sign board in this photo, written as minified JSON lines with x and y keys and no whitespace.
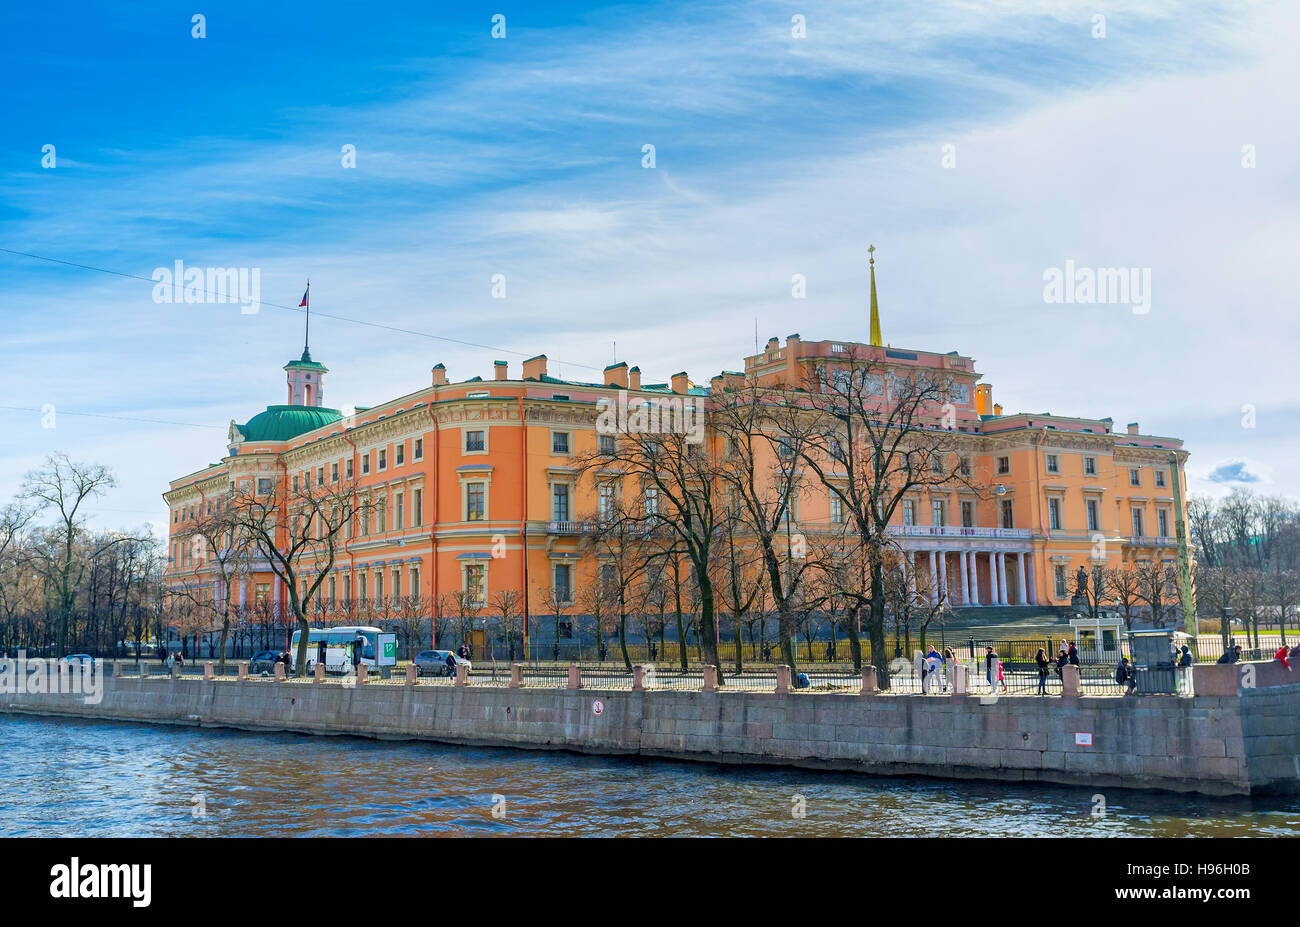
{"x":387,"y":651}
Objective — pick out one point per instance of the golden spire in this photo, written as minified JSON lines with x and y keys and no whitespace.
{"x":876,"y":340}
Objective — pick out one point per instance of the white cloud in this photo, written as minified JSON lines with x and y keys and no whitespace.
{"x":677,"y":262}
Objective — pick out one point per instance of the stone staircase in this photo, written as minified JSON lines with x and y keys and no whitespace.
{"x":1019,"y":619}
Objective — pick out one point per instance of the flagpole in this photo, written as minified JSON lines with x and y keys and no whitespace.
{"x":306,"y":298}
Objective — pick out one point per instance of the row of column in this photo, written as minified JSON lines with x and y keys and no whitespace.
{"x":968,"y":571}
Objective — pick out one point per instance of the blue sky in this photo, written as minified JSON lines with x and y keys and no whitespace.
{"x":522,"y":156}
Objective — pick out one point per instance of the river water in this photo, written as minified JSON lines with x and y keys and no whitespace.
{"x":91,"y":778}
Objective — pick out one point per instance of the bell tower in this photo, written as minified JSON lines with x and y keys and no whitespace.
{"x":306,"y":381}
{"x":305,"y":376}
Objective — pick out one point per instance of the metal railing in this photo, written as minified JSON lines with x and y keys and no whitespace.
{"x":1016,"y":680}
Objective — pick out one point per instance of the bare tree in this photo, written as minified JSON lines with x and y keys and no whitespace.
{"x":64,"y":485}
{"x":1284,"y":594}
{"x":884,"y":437}
{"x":298,"y":530}
{"x":218,"y":541}
{"x":506,"y":603}
{"x":1157,"y":582}
{"x":766,"y":433}
{"x":1125,"y":585}
{"x":741,"y":580}
{"x":559,"y":601}
{"x":626,"y":542}
{"x":676,"y":480}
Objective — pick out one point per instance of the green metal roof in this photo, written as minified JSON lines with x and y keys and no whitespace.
{"x":305,"y":361}
{"x":280,"y":423}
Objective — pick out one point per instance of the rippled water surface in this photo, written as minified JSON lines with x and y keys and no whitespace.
{"x":87,"y":778}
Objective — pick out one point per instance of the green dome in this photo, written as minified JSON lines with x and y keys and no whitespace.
{"x":280,"y":423}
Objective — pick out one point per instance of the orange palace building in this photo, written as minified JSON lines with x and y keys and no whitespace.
{"x":462,"y":471}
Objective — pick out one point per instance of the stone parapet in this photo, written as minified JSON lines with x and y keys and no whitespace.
{"x":1230,"y":744}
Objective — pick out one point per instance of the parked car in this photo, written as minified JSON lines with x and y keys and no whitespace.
{"x":263,"y":662}
{"x":434,"y":663}
{"x":84,"y":659}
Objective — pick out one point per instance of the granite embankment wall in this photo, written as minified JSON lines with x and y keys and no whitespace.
{"x":1238,"y":741}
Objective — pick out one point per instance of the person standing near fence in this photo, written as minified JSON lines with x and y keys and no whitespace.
{"x":1125,"y":677}
{"x":991,"y":665}
{"x":1043,"y":663}
{"x":949,"y":667}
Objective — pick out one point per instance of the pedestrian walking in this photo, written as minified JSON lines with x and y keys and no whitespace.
{"x":949,"y":667}
{"x":932,"y":667}
{"x":1040,"y":658}
{"x":1000,"y":677}
{"x":991,"y":664}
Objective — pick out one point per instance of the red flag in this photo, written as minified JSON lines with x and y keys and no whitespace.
{"x":304,"y":296}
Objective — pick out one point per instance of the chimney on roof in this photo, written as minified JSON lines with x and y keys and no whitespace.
{"x":535,"y":367}
{"x":502,"y":370}
{"x":984,"y":399}
{"x":772,"y":343}
{"x":1133,"y":428}
{"x":681,"y":383}
{"x":616,"y":375}
{"x":997,"y":408}
{"x":439,"y":375}
{"x":634,"y":378}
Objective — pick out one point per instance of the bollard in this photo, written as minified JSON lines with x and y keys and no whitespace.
{"x":243,"y":670}
{"x":209,"y":673}
{"x":638,"y":678}
{"x":279,"y":672}
{"x":410,"y":674}
{"x":575,"y":677}
{"x":516,"y":675}
{"x":868,"y":680}
{"x":1070,"y":681}
{"x":710,"y":679}
{"x":362,"y":674}
{"x":782,"y":680}
{"x":117,"y":669}
{"x":462,"y":674}
{"x":176,"y":671}
{"x":318,"y":672}
{"x":959,"y":679}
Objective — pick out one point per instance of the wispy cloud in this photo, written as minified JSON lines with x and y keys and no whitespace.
{"x":775,"y":156}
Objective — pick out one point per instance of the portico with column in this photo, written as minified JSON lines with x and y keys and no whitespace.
{"x":974,"y":583}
